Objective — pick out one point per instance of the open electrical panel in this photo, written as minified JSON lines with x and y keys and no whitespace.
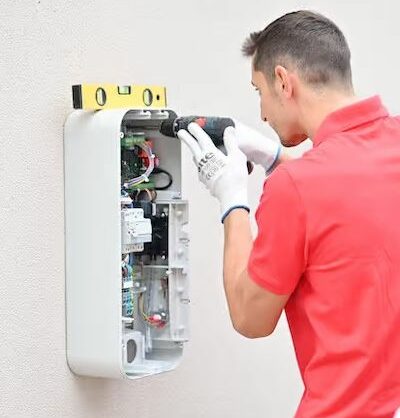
{"x":127,"y":279}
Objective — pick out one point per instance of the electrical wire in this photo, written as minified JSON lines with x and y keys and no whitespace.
{"x":156,"y":323}
{"x":141,"y":308}
{"x":159,"y":171}
{"x":149,"y":194}
{"x":145,"y":176}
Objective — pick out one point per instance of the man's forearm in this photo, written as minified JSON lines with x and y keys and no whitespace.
{"x":237,"y":248}
{"x":239,"y":241}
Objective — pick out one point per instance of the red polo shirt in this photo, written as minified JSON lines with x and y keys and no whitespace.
{"x":329,"y":235}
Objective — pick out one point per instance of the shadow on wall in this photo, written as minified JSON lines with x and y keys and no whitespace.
{"x":97,"y":395}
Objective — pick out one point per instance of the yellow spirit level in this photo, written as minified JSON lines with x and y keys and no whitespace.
{"x":112,"y":96}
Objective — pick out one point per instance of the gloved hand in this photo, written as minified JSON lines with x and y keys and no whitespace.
{"x":224,"y":175}
{"x":257,"y":148}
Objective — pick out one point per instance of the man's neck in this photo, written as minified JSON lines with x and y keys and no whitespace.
{"x":317,"y":106}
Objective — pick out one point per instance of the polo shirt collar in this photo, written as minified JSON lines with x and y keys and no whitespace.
{"x":350,"y":117}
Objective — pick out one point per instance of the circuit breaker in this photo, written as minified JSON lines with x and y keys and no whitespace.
{"x":127,"y":278}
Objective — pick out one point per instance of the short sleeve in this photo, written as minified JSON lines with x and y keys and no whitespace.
{"x":278,"y":257}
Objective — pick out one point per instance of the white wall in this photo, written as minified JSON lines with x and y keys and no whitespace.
{"x":193,"y":47}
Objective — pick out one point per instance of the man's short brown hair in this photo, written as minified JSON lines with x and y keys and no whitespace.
{"x":308,"y":41}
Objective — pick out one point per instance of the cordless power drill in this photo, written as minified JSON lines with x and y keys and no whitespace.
{"x":212,"y":125}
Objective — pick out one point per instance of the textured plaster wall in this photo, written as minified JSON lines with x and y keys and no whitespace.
{"x":193,"y":47}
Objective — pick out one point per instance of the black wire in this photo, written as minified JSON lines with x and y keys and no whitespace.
{"x":159,"y":170}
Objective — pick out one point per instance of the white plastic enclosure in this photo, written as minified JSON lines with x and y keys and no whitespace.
{"x":127,"y":313}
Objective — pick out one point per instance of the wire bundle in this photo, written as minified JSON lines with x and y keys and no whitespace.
{"x":145,"y":176}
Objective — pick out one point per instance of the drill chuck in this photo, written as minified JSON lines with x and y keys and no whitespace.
{"x":213,"y":126}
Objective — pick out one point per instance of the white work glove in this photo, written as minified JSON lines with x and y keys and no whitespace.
{"x":257,"y":148}
{"x":225,"y":176}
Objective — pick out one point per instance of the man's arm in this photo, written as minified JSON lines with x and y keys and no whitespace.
{"x":254,"y":310}
{"x":276,"y":263}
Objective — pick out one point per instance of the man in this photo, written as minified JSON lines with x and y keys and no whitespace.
{"x":328,"y":243}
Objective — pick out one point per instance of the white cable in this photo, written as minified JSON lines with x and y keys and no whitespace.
{"x":145,"y":176}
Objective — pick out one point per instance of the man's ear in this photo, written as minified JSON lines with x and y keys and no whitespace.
{"x":283,"y":81}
